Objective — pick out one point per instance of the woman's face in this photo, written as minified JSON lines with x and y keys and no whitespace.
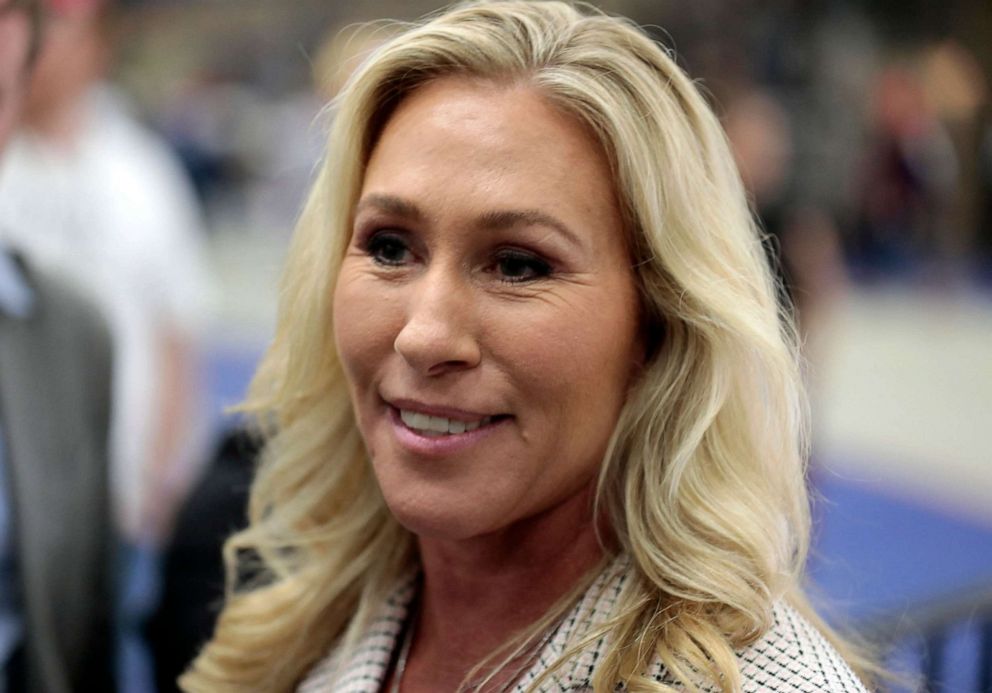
{"x":485,"y":312}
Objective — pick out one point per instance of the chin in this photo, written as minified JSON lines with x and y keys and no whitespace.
{"x":438,"y":526}
{"x":439,"y":521}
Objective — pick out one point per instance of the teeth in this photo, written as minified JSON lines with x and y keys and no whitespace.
{"x":438,"y":425}
{"x":476,"y":424}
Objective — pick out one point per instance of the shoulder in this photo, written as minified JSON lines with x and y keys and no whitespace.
{"x":794,"y":656}
{"x":362,"y":666}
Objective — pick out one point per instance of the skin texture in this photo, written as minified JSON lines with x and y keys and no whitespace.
{"x":15,"y":37}
{"x":487,"y":276}
{"x":73,"y":57}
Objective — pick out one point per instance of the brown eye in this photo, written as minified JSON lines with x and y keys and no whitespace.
{"x":389,"y":249}
{"x":518,"y":266}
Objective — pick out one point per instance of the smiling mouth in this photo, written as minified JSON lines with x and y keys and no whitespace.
{"x":438,"y":426}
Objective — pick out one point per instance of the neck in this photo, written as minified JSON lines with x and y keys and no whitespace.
{"x":482,"y":592}
{"x":59,"y":126}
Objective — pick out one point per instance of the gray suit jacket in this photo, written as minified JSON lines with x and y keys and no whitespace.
{"x":54,"y":408}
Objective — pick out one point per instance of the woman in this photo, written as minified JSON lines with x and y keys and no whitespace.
{"x":533,"y":421}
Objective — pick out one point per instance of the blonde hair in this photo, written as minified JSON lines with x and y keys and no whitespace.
{"x":704,"y":478}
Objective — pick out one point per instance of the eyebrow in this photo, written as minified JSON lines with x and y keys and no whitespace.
{"x":390,"y":204}
{"x":491,"y":221}
{"x":505,"y":219}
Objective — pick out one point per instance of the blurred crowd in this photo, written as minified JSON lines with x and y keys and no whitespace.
{"x":844,"y":114}
{"x":863,"y":132}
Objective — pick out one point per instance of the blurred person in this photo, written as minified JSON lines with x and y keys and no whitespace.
{"x":533,"y":416}
{"x":984,"y":240}
{"x":56,"y":536}
{"x":94,"y":197}
{"x":192,"y":563}
{"x":908,"y":181}
{"x":204,"y":123}
{"x":957,"y":90}
{"x":100,"y":199}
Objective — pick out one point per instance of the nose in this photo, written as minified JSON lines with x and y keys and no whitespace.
{"x":437,"y":337}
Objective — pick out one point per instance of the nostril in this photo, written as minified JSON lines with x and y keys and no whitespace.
{"x":439,"y":368}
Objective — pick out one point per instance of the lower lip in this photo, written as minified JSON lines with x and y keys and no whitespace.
{"x":438,"y":446}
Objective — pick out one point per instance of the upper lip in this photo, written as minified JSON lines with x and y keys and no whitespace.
{"x":442,"y":411}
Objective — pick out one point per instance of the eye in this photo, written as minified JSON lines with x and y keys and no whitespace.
{"x":516,"y":266}
{"x":388,"y":248}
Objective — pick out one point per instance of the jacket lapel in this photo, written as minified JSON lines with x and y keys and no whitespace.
{"x":32,"y":440}
{"x":364,"y":668}
{"x":54,"y":405}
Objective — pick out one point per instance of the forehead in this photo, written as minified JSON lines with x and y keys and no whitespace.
{"x":464,"y":141}
{"x":492,"y":113}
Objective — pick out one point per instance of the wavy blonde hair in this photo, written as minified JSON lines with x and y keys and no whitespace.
{"x":704,"y":479}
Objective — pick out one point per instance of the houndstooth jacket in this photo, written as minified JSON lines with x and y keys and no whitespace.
{"x":792,"y":657}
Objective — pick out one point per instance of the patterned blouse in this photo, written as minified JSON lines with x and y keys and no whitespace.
{"x":792,"y":657}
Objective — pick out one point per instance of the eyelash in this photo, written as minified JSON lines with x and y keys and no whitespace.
{"x":379,"y":243}
{"x":382,"y":240}
{"x":538,"y":267}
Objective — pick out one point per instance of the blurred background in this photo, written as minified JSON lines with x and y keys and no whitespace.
{"x":863,"y":130}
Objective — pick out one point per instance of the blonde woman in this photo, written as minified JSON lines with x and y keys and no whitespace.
{"x":533,"y":420}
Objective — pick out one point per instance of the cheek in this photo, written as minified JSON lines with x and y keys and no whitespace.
{"x":361,"y":326}
{"x":578,"y":364}
{"x":346,"y":336}
{"x":590,"y":341}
